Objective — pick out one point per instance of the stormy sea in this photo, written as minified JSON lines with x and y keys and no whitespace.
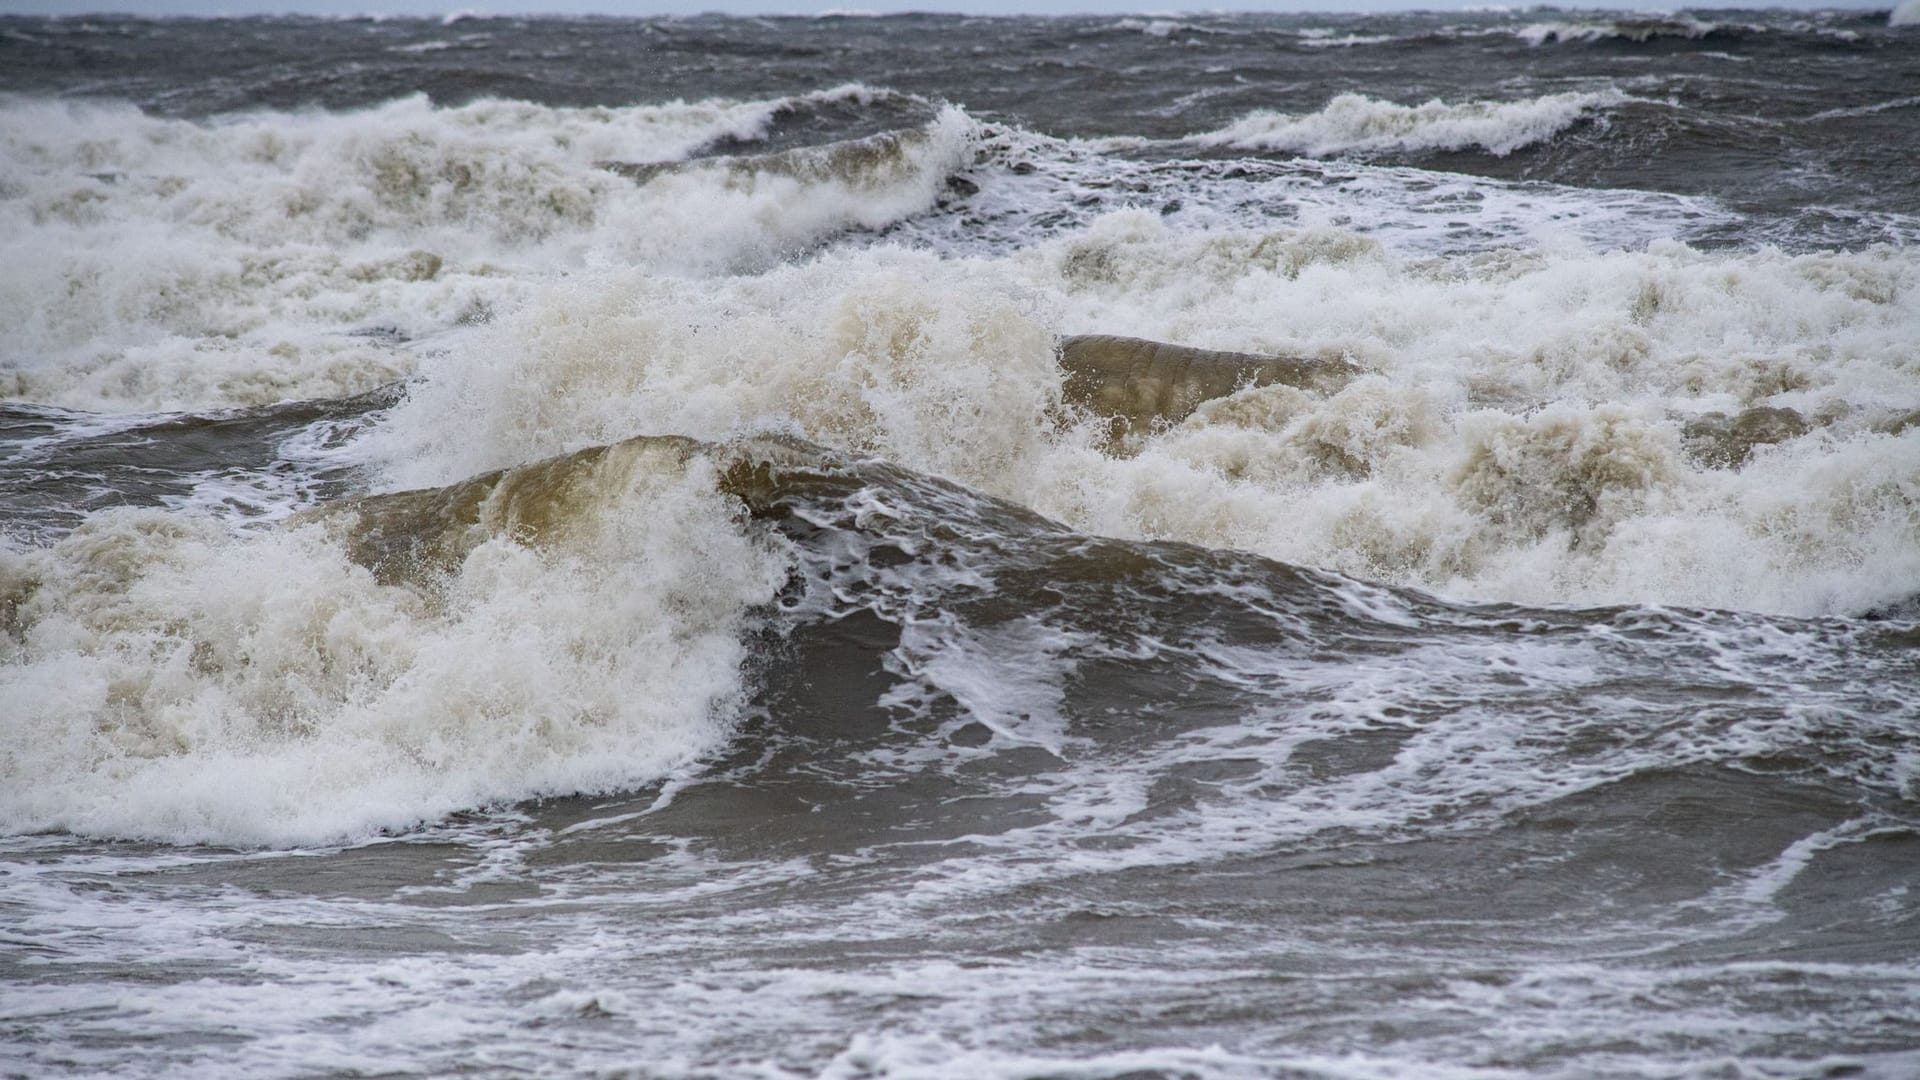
{"x":1224,"y":546}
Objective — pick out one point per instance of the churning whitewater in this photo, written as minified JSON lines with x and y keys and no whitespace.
{"x":1219,"y":546}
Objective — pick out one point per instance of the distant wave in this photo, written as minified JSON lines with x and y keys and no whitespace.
{"x":1329,"y":39}
{"x":1639,"y":30}
{"x":1358,"y":124}
{"x":1152,"y":27}
{"x":1869,"y":110}
{"x":1168,"y":28}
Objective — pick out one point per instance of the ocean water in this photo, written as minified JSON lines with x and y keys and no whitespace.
{"x":1195,"y":547}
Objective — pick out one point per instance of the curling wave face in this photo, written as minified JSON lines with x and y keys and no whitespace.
{"x":562,"y":627}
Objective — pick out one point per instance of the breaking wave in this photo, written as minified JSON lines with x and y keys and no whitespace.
{"x":1636,"y":30}
{"x":1528,"y":427}
{"x":566,"y":626}
{"x":259,"y":257}
{"x":1356,"y":124}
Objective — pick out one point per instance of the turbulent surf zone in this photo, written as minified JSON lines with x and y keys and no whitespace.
{"x":918,"y":546}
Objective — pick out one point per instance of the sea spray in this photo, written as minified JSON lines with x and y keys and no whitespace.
{"x":167,"y":679}
{"x":175,"y":264}
{"x":948,"y":365}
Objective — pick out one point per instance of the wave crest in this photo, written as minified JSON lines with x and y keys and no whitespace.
{"x":172,"y":264}
{"x":575,"y":626}
{"x":1639,"y":31}
{"x":1355,"y":124}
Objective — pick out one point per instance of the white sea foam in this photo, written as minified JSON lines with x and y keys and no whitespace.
{"x":1868,"y":110}
{"x":1358,"y":124}
{"x":1033,"y":187}
{"x":1009,"y":679}
{"x":1159,"y":28}
{"x":174,"y":264}
{"x":1324,"y":38}
{"x":1905,"y":13}
{"x":1520,"y":430}
{"x":1522,"y":427}
{"x":744,"y":215}
{"x":1629,"y":29}
{"x":163,"y":678}
{"x":934,"y":363}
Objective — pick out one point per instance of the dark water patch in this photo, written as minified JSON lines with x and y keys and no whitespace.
{"x":1721,"y":441}
{"x":57,"y":466}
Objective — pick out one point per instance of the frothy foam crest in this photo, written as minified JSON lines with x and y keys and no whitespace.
{"x":512,"y":168}
{"x":934,"y":363}
{"x":166,"y":679}
{"x":1868,"y":110}
{"x":177,"y":373}
{"x":1325,"y":39}
{"x":743,"y":214}
{"x":1468,"y":353}
{"x":176,"y":264}
{"x":1031,"y":187}
{"x":1358,"y":124}
{"x":1149,"y":27}
{"x":1521,"y":429}
{"x":1640,"y":30}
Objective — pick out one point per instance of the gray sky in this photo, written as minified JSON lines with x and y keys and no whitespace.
{"x":758,"y":7}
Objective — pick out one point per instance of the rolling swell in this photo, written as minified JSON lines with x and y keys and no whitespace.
{"x":941,"y":664}
{"x":906,"y":586}
{"x":821,"y":589}
{"x":1636,"y":31}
